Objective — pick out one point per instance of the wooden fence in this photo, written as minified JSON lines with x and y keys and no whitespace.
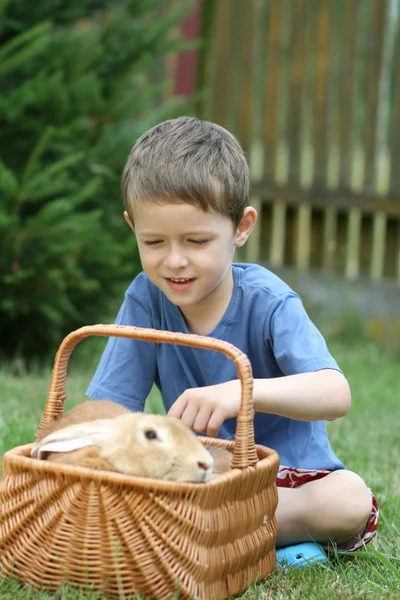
{"x":312,"y":90}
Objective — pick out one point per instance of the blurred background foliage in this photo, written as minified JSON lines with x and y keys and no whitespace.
{"x":76,"y":93}
{"x":310,"y":89}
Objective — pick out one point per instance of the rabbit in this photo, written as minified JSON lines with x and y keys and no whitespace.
{"x":90,"y":456}
{"x":134,"y":443}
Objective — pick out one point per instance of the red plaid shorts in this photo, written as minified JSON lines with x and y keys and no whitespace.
{"x":289,"y":477}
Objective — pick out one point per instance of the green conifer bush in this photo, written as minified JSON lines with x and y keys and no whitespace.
{"x":77,"y":89}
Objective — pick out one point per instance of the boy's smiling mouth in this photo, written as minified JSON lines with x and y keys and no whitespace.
{"x":180,"y":279}
{"x":180,"y":284}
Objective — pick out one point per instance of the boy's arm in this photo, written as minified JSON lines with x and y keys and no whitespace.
{"x":318,"y":396}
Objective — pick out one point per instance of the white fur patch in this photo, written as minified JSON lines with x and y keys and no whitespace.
{"x":59,"y":446}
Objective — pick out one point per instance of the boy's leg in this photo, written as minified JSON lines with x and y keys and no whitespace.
{"x":336,"y":507}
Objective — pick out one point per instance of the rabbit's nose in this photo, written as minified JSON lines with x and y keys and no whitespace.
{"x":203,"y":465}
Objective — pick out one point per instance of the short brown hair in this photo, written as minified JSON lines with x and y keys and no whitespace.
{"x":188,"y":160}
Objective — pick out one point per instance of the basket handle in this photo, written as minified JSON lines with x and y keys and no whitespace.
{"x":244,"y":453}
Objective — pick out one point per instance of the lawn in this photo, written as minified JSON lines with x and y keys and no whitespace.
{"x":367,"y":440}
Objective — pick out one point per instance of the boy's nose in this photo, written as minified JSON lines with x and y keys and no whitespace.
{"x":175,"y":260}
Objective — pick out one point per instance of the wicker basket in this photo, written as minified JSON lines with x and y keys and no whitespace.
{"x":124,"y":534}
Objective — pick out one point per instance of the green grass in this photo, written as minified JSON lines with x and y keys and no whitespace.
{"x":367,"y":440}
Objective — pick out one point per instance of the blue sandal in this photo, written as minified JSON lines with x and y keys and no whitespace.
{"x":300,"y":555}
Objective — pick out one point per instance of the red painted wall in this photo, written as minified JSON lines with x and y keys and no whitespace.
{"x":187,"y":62}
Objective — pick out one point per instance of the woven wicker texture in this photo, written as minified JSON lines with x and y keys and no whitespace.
{"x":125,"y":534}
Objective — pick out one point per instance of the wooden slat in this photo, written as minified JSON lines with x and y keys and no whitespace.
{"x":394,"y":133}
{"x":395,"y":141}
{"x":256,"y":155}
{"x":277,"y":251}
{"x":281,"y":162}
{"x":329,"y":238}
{"x":381,"y":164}
{"x":243,"y":124}
{"x":358,"y":100}
{"x":353,"y":245}
{"x":348,"y":15}
{"x":305,"y":149}
{"x":395,"y":145}
{"x":253,"y":244}
{"x":284,"y":44}
{"x":322,"y":55}
{"x":376,"y":142}
{"x":303,"y":237}
{"x":334,"y":131}
{"x":357,"y":155}
{"x":235,"y":68}
{"x":378,"y":246}
{"x":259,"y":16}
{"x":307,"y":110}
{"x":295,"y":89}
{"x":374,"y":43}
{"x":271,"y":92}
{"x":398,"y":256}
{"x":330,"y":171}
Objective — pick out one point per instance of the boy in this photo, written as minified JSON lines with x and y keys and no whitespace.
{"x":185,"y":189}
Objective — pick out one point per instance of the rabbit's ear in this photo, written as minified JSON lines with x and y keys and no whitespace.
{"x":82,"y":434}
{"x":41,"y":451}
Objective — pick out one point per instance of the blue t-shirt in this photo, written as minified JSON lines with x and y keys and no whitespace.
{"x":265,"y":319}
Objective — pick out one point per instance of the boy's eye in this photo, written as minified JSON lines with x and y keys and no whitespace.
{"x":152,"y":243}
{"x":157,"y":242}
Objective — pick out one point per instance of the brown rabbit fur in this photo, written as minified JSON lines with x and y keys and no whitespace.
{"x":93,"y":410}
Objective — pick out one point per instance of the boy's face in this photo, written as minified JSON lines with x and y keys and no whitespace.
{"x":187,"y":253}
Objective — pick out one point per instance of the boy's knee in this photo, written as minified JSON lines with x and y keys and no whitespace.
{"x":356,"y":502}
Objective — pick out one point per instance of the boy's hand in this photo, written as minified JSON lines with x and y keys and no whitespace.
{"x":205,"y":409}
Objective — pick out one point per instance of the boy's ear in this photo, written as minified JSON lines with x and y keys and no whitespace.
{"x":128,"y":220}
{"x":245,"y":226}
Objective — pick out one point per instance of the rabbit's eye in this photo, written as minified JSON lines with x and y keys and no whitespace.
{"x":150,"y":434}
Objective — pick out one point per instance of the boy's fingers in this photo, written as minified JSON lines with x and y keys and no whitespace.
{"x":202,"y":419}
{"x":189,"y":415}
{"x":215,"y":423}
{"x":178,"y":407}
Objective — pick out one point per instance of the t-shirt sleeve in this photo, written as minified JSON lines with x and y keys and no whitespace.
{"x":127,"y":368}
{"x":297,"y":344}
